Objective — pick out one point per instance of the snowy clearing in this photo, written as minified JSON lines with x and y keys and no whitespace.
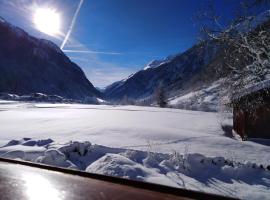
{"x":179,"y":148}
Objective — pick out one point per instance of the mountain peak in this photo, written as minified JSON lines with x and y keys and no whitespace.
{"x":157,"y":63}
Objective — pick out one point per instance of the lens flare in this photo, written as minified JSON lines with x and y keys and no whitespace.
{"x":47,"y":21}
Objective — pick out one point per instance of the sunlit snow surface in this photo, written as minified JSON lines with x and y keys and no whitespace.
{"x":174,"y":147}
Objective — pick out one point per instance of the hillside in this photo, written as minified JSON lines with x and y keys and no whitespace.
{"x":178,"y":69}
{"x":30,"y":65}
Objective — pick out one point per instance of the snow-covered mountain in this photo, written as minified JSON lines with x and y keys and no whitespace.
{"x":30,"y":65}
{"x":190,"y":80}
{"x":173,"y":73}
{"x":157,"y":63}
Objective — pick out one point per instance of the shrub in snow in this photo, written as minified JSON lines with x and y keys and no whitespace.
{"x":136,"y":156}
{"x":80,"y":148}
{"x":152,"y":160}
{"x":78,"y":153}
{"x":218,"y":161}
{"x":173,"y":163}
{"x":179,"y":161}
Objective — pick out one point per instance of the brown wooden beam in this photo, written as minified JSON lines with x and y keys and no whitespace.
{"x":21,"y":179}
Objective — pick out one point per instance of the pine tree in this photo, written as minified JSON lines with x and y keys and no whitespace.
{"x":160,"y":97}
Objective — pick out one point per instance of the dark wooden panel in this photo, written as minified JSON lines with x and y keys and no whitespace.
{"x":19,"y":180}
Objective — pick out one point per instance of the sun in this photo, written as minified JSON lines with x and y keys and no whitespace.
{"x":47,"y":21}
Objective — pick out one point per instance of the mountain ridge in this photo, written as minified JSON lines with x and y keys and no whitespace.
{"x":193,"y":70}
{"x":166,"y":72}
{"x":32,"y":65}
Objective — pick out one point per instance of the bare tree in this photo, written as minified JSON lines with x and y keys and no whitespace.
{"x":245,"y":41}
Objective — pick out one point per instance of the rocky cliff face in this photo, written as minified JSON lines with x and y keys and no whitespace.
{"x":30,"y":65}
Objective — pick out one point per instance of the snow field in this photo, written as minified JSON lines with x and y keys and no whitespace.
{"x":179,"y":148}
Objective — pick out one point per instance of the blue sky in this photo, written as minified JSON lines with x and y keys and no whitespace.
{"x":117,"y":37}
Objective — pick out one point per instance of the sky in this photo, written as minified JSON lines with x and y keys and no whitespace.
{"x":112,"y":39}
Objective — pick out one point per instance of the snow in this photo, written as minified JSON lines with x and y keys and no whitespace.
{"x":179,"y":148}
{"x":263,"y":85}
{"x":6,"y":102}
{"x":124,"y":80}
{"x":56,"y":158}
{"x":101,"y":101}
{"x":206,"y":98}
{"x":220,"y":175}
{"x":121,"y":166}
{"x":157,"y":63}
{"x":184,"y":97}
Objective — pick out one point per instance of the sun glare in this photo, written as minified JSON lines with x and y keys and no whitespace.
{"x":47,"y":21}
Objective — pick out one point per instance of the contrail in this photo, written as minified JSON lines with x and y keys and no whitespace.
{"x":72,"y":24}
{"x":93,"y":52}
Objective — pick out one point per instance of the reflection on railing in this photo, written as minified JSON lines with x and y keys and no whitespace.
{"x":38,"y":187}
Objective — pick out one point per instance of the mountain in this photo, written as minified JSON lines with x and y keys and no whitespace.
{"x":30,"y":65}
{"x":192,"y":79}
{"x":172,"y":73}
{"x":157,"y":63}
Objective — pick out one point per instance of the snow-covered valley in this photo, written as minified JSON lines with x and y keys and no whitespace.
{"x":174,"y":147}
